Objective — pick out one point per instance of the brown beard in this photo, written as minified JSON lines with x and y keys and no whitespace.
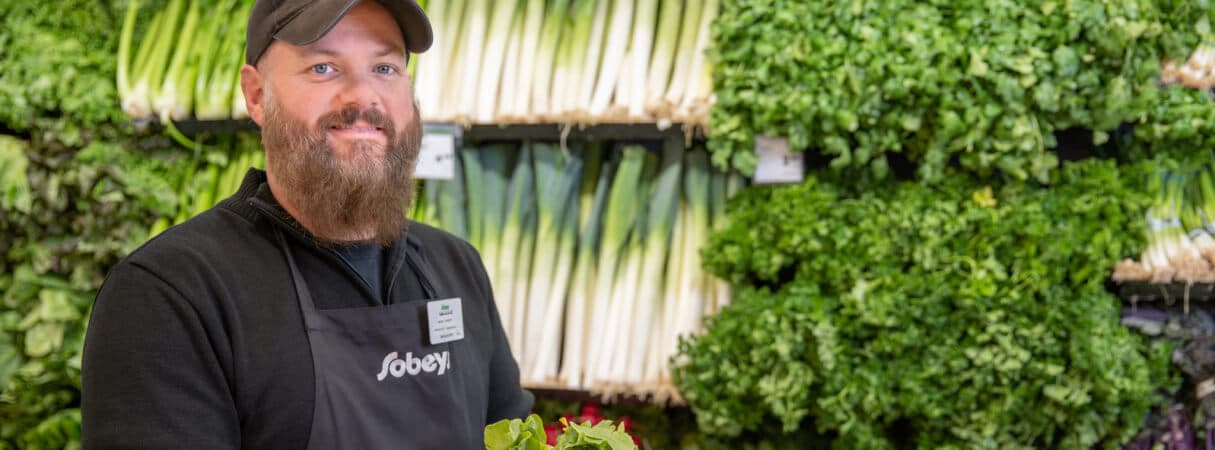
{"x":342,"y":201}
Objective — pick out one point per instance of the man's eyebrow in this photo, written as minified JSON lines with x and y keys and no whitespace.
{"x":317,"y":50}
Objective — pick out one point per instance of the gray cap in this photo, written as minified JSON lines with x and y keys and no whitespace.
{"x":302,"y":22}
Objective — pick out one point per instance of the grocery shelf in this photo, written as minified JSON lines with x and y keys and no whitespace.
{"x":1138,"y":291}
{"x":558,"y":391}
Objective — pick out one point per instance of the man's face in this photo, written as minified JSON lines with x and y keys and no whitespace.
{"x":340,"y":127}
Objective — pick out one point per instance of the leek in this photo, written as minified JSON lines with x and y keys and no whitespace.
{"x":613,"y":56}
{"x":617,"y":301}
{"x":472,"y":54}
{"x":510,"y":73}
{"x":452,"y":216}
{"x":618,"y":217}
{"x":663,"y":57}
{"x":698,"y":83}
{"x":593,"y":198}
{"x":588,"y":75}
{"x":557,"y":184}
{"x":474,"y":179}
{"x":649,"y":301}
{"x":490,"y":67}
{"x":449,"y":99}
{"x":522,"y":86}
{"x":689,"y":29}
{"x":511,"y":264}
{"x":546,"y":54}
{"x":640,"y":45}
{"x":434,"y":68}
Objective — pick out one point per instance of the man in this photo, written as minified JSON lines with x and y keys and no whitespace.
{"x":304,"y":311}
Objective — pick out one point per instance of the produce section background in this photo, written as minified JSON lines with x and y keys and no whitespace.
{"x":941,"y":276}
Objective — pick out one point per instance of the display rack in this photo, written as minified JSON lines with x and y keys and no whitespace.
{"x":1136,"y":292}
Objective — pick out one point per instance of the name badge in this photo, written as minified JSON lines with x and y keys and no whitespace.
{"x":446,"y":320}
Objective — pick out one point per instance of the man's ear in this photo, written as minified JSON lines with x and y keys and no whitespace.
{"x":255,"y":95}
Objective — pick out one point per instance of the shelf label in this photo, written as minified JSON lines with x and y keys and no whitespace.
{"x":776,"y":163}
{"x":437,"y":157}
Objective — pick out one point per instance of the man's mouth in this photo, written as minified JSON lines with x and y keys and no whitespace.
{"x":357,"y":128}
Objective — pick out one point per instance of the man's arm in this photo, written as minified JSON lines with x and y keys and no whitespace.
{"x":150,"y":376}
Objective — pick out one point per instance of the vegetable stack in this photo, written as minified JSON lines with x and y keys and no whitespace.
{"x":515,"y":61}
{"x":594,"y":255}
{"x":1179,"y":224}
{"x":187,"y":62}
{"x":568,"y":61}
{"x":896,"y":315}
{"x":966,"y":86}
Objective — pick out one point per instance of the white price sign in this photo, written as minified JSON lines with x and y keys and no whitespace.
{"x":776,"y":164}
{"x":437,"y":158}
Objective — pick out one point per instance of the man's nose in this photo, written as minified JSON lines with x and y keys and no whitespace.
{"x":359,"y":92}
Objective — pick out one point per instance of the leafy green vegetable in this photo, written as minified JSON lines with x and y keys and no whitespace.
{"x":529,"y":434}
{"x":57,"y":80}
{"x":954,"y":316}
{"x":971,"y":86}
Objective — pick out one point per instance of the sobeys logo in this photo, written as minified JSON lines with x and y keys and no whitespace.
{"x":397,"y":367}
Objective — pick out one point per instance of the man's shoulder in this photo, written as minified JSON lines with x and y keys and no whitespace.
{"x":208,"y":238}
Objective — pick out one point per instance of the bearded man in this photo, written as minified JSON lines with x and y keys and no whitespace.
{"x":305,"y":310}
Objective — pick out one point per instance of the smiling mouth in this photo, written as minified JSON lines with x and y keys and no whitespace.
{"x":360,"y":129}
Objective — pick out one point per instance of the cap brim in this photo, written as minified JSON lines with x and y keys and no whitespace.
{"x":314,"y":21}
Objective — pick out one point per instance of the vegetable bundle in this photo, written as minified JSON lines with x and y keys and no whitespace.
{"x":187,"y":61}
{"x":954,"y":316}
{"x":972,"y":86}
{"x":1179,"y":245}
{"x":516,"y":61}
{"x":568,"y":61}
{"x":593,"y":255}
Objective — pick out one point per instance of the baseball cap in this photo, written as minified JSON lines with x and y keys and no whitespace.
{"x":302,"y":22}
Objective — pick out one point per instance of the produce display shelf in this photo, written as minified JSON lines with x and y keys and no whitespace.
{"x":1137,"y":291}
{"x":558,"y":391}
{"x":511,"y":132}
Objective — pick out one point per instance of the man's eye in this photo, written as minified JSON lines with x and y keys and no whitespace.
{"x":321,"y":69}
{"x":385,"y":69}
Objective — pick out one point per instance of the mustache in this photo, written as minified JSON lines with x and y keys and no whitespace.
{"x":347,"y":116}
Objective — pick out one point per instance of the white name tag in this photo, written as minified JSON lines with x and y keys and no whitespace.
{"x":446,"y":320}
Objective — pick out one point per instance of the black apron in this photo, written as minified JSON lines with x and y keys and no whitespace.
{"x":379,"y":382}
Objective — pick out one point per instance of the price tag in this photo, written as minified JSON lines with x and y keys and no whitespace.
{"x":437,"y":158}
{"x":776,"y":163}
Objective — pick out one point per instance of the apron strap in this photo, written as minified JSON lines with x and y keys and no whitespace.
{"x":297,"y":278}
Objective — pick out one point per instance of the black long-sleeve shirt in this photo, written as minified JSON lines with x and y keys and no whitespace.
{"x":196,"y":340}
